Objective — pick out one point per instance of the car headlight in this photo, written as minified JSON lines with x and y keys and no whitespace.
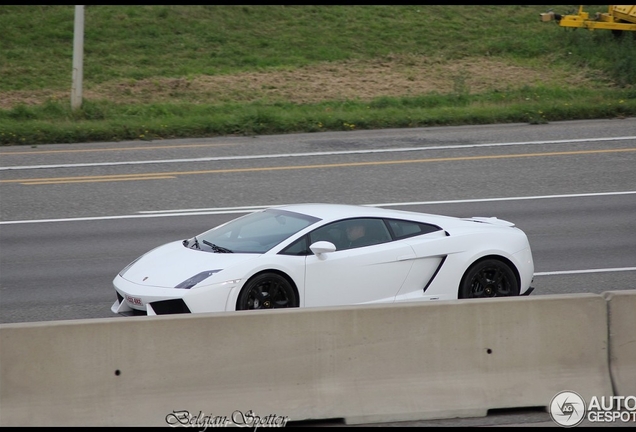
{"x":190,"y":282}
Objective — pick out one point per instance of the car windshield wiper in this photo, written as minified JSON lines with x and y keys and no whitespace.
{"x":216,"y":248}
{"x":195,"y":244}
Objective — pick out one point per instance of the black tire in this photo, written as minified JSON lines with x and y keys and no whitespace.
{"x":489,"y":278}
{"x":267,"y":291}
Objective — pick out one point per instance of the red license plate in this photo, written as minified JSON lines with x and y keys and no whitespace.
{"x":134,"y":300}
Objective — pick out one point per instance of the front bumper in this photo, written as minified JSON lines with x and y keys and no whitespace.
{"x":159,"y":307}
{"x":135,"y":299}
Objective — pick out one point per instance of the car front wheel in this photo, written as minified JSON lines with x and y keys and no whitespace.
{"x":267,"y":291}
{"x":489,"y":278}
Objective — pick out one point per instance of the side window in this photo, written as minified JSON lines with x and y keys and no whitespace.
{"x":333,"y":233}
{"x":299,"y":247}
{"x":404,"y":229}
{"x":355,"y":233}
{"x":352,"y":233}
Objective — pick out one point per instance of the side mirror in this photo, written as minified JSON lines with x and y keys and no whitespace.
{"x":322,"y":247}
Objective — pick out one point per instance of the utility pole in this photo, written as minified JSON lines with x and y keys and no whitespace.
{"x":78,"y":58}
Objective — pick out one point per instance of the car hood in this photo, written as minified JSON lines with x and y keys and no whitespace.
{"x":173,"y":263}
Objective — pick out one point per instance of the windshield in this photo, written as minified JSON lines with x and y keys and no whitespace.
{"x":253,"y":233}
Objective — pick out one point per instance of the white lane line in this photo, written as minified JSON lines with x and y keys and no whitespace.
{"x":344,"y":152}
{"x":134,"y":216}
{"x":249,"y":209}
{"x":503,"y":199}
{"x":567,"y":272}
{"x":214,"y":209}
{"x":219,"y":209}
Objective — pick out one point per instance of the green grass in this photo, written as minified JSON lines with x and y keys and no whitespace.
{"x":127,"y":44}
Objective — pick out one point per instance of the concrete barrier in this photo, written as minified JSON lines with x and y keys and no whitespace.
{"x":622,"y":337}
{"x":364,"y":363}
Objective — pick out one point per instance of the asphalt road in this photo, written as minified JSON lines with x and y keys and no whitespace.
{"x":71,"y":216}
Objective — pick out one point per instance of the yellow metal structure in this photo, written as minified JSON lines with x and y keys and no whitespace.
{"x":617,"y":19}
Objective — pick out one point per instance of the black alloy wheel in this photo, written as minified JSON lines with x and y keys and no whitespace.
{"x":267,"y":291}
{"x":489,"y":278}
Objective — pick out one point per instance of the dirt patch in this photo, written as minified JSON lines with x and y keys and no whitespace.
{"x":350,"y":80}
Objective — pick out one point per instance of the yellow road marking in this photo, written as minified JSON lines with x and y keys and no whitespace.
{"x":89,"y":180}
{"x":155,"y":176}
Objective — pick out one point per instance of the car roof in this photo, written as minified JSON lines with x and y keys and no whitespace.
{"x":326,"y":211}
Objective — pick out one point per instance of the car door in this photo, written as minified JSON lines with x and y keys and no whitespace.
{"x":366,"y":274}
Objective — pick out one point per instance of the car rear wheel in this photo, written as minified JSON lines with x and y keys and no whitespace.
{"x":267,"y":291}
{"x":489,"y":278}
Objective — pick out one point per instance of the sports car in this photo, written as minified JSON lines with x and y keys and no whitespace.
{"x":321,"y":255}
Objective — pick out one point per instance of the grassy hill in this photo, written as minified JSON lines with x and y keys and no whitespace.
{"x":158,"y":72}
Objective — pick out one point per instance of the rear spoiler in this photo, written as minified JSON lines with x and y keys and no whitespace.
{"x":490,"y":220}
